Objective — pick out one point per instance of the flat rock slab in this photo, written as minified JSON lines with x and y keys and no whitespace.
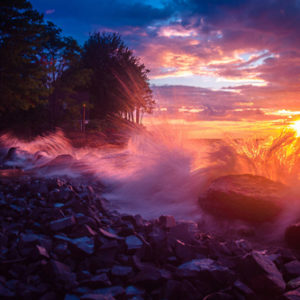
{"x":246,"y":197}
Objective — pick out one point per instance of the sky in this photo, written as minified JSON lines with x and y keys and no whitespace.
{"x":231,"y":64}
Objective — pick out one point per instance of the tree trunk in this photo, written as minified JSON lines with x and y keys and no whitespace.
{"x":137,"y":117}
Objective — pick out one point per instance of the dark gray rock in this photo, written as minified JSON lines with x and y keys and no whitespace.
{"x":71,"y":297}
{"x":292,"y":269}
{"x":6,"y":293}
{"x":132,"y":291}
{"x":261,"y":274}
{"x":184,"y":231}
{"x":206,"y":269}
{"x":293,"y":284}
{"x":83,"y":244}
{"x":114,"y":291}
{"x":167,"y":221}
{"x":219,"y":296}
{"x":291,"y":295}
{"x":121,"y":271}
{"x":244,"y":289}
{"x":133,"y":242}
{"x":109,"y":234}
{"x":62,"y":224}
{"x":97,"y":297}
{"x":97,"y":281}
{"x":42,"y":251}
{"x":62,"y":273}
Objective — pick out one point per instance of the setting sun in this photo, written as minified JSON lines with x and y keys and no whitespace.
{"x":296,"y":126}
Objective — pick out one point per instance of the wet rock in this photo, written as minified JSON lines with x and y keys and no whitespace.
{"x":121,"y":271}
{"x":97,"y":297}
{"x":219,"y":296}
{"x":148,"y":274}
{"x":206,"y":269}
{"x":42,"y":251}
{"x":261,"y":273}
{"x":62,"y":224}
{"x":292,"y":269}
{"x":62,"y":273}
{"x":62,"y":249}
{"x":246,"y":197}
{"x":109,"y":234}
{"x":183,"y":251}
{"x":113,"y":291}
{"x":184,"y":232}
{"x":244,"y":289}
{"x":292,"y":236}
{"x":49,"y":296}
{"x":175,"y":289}
{"x":5,"y":292}
{"x":133,"y":243}
{"x":83,"y":244}
{"x":167,"y":221}
{"x":291,"y":295}
{"x":97,"y":281}
{"x":293,"y":284}
{"x":71,"y":297}
{"x":132,"y":291}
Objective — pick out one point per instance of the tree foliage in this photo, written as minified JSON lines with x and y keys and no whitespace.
{"x":46,"y":77}
{"x":22,"y":77}
{"x":119,"y":82}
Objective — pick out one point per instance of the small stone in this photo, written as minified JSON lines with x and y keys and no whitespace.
{"x":111,"y":291}
{"x":293,"y":284}
{"x":167,"y":221}
{"x":97,"y":281}
{"x":109,"y":235}
{"x":291,"y":295}
{"x":83,"y":244}
{"x":5,"y":292}
{"x":133,"y":242}
{"x":243,"y":288}
{"x":62,"y":224}
{"x":71,"y":297}
{"x":133,"y":291}
{"x":42,"y":251}
{"x":121,"y":271}
{"x":292,"y":269}
{"x":62,"y":273}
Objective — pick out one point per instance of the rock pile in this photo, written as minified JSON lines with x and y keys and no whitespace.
{"x":60,"y":240}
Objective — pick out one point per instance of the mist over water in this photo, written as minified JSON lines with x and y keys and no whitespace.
{"x":160,"y":171}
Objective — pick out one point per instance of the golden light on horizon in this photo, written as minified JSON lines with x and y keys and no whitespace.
{"x":296,"y":126}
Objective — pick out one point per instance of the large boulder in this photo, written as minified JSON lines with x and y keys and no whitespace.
{"x":246,"y":197}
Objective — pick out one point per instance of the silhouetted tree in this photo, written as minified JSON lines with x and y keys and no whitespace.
{"x":119,"y":83}
{"x":35,"y":84}
{"x":65,"y":75}
{"x":22,"y":77}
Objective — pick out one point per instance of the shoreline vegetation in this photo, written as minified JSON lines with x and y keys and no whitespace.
{"x":47,"y":80}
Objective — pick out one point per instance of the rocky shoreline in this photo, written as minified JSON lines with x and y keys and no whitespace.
{"x":61,"y":240}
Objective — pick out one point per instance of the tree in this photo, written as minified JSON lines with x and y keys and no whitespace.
{"x":119,"y":83}
{"x":61,"y":56}
{"x":22,"y":77}
{"x":34,"y":61}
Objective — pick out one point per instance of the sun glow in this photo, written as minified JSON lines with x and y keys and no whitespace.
{"x":296,"y":126}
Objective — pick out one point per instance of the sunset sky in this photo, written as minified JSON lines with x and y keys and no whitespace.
{"x":225,"y":65}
